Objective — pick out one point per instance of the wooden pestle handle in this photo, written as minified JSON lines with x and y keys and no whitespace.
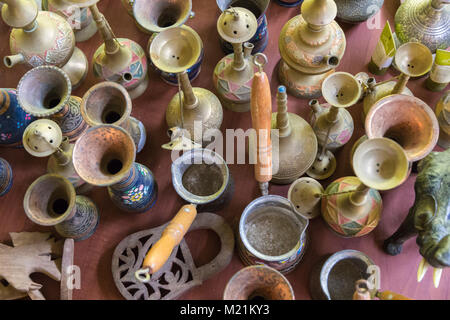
{"x":261,"y":111}
{"x":172,"y":235}
{"x":389,"y":295}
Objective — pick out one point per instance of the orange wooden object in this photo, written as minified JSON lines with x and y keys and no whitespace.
{"x":261,"y":110}
{"x":389,"y":295}
{"x":172,"y":235}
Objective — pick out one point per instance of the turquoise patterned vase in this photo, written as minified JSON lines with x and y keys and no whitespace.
{"x":137,"y":192}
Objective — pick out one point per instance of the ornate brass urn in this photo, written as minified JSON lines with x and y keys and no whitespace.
{"x":426,"y":21}
{"x":174,"y":51}
{"x":311,"y":46}
{"x":42,"y":38}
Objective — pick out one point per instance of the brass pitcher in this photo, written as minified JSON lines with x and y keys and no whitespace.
{"x":118,"y":59}
{"x":311,"y":46}
{"x":297,"y":143}
{"x":174,"y":51}
{"x":233,"y":75}
{"x":51,"y":201}
{"x":31,"y":40}
{"x":109,"y":103}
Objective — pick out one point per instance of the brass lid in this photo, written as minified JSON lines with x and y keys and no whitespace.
{"x":341,"y":89}
{"x":42,"y":137}
{"x":323,"y":168}
{"x":304,"y":195}
{"x":380,"y":163}
{"x":413,"y":59}
{"x":176,"y":49}
{"x":237,"y":25}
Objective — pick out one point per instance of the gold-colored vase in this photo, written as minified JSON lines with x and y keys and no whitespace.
{"x":311,"y":47}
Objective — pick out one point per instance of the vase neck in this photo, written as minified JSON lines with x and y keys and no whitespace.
{"x":127,"y":181}
{"x":111,"y":44}
{"x":190,"y":100}
{"x":283,"y":124}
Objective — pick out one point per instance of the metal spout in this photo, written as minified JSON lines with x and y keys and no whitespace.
{"x":315,"y":106}
{"x":248,"y":48}
{"x":11,"y":61}
{"x":332,"y":61}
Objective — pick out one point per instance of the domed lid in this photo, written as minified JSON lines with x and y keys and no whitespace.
{"x":237,"y":25}
{"x":42,"y":137}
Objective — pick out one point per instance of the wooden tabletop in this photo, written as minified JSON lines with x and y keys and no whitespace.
{"x":94,"y":255}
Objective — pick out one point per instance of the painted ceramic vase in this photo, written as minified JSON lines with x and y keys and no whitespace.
{"x":289,"y":3}
{"x":6,"y":177}
{"x":137,"y":192}
{"x":13,"y":119}
{"x":51,"y":201}
{"x":272,"y":208}
{"x":131,"y":74}
{"x":425,"y":21}
{"x":80,"y":19}
{"x":172,"y":78}
{"x":258,"y":283}
{"x":345,"y":226}
{"x":356,"y":11}
{"x":233,"y":95}
{"x":340,"y":133}
{"x":258,"y":8}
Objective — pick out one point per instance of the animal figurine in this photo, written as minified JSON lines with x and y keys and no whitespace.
{"x":429,"y":217}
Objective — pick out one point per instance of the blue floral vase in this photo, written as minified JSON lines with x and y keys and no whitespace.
{"x":137,"y":192}
{"x":13,"y":120}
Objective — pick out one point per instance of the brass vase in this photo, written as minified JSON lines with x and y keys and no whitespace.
{"x":51,"y":201}
{"x":104,"y":156}
{"x":43,"y":138}
{"x":109,"y":103}
{"x":297,"y":143}
{"x":311,"y":46}
{"x":426,"y":21}
{"x":42,"y":38}
{"x":413,"y":59}
{"x":174,"y":51}
{"x":352,"y":206}
{"x":233,"y":75}
{"x":406,"y":120}
{"x":118,"y":59}
{"x":258,"y":283}
{"x":80,"y":18}
{"x":44,"y":92}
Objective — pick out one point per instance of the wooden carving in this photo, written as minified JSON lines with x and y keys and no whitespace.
{"x":179,"y":273}
{"x":31,"y":252}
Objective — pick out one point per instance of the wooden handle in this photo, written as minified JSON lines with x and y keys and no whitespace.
{"x":261,"y":110}
{"x":171,"y":237}
{"x":389,"y":295}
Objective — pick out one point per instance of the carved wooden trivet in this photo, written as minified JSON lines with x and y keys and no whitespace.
{"x":179,"y":274}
